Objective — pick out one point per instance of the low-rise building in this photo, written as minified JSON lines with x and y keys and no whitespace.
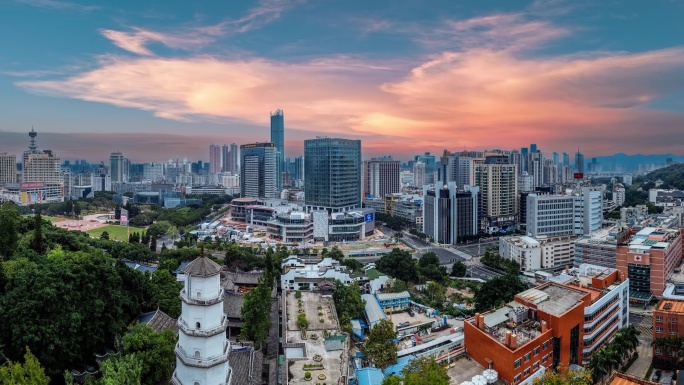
{"x":543,"y":252}
{"x":301,"y":273}
{"x":666,"y":198}
{"x":600,"y":247}
{"x":294,"y":227}
{"x":407,"y":206}
{"x":668,"y":321}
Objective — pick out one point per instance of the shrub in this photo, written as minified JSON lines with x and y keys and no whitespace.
{"x":307,"y":375}
{"x":298,"y":294}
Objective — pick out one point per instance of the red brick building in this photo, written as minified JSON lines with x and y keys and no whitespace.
{"x":668,"y":321}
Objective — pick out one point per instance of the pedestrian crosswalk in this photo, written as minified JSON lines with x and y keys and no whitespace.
{"x":646,"y":327}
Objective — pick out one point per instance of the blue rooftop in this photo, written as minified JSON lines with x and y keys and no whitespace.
{"x":373,"y":311}
{"x":147,"y":317}
{"x":399,"y":366}
{"x":181,"y":267}
{"x":369,"y":376}
{"x":142,"y":268}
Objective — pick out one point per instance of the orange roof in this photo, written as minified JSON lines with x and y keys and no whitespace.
{"x":676,"y":306}
{"x":625,"y":379}
{"x":595,"y":294}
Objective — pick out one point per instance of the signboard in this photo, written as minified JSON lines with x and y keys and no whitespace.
{"x":370,"y":217}
{"x":30,"y":185}
{"x":124,"y":217}
{"x":578,"y":175}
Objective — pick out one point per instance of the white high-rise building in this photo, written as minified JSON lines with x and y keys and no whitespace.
{"x":214,"y":159}
{"x":202,"y":349}
{"x":619,"y":194}
{"x":117,"y":168}
{"x":8,"y":168}
{"x":381,"y":177}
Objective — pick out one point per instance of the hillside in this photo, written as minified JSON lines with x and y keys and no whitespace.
{"x":672,"y":177}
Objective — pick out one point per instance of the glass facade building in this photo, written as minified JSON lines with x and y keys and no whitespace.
{"x":278,"y":139}
{"x":258,"y":170}
{"x":332,"y":174}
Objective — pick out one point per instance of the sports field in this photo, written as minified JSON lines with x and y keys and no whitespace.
{"x":116,"y":232}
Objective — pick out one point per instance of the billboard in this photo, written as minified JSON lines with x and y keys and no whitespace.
{"x":29,"y":185}
{"x":578,"y":175}
{"x":370,"y":217}
{"x":124,"y":217}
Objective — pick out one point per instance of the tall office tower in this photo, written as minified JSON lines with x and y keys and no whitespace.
{"x":381,"y":177}
{"x":550,"y":172}
{"x":419,"y":174}
{"x":556,"y":158}
{"x":214,"y":159}
{"x":588,"y":210}
{"x":258,"y":172}
{"x":116,"y":167}
{"x":533,"y":148}
{"x":8,"y":168}
{"x":332,"y":174}
{"x":524,"y":155}
{"x":516,"y":158}
{"x":225,"y":158}
{"x":278,"y":139}
{"x":566,"y":159}
{"x":579,"y":162}
{"x":41,"y":166}
{"x":498,"y":185}
{"x":449,"y":214}
{"x":430,"y":166}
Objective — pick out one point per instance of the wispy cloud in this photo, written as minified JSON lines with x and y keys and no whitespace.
{"x":57,"y":4}
{"x":266,"y":12}
{"x":463,"y":97}
{"x":136,"y":41}
{"x":372,"y":25}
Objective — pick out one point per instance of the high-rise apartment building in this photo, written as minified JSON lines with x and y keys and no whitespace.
{"x":381,"y":177}
{"x":498,"y":185}
{"x":233,"y":159}
{"x":214,"y":159}
{"x":450,"y":214}
{"x":258,"y":171}
{"x":8,"y":168}
{"x":566,"y":159}
{"x":117,"y":168}
{"x":419,"y":174}
{"x":430,"y":166}
{"x":332,"y":174}
{"x":579,"y":162}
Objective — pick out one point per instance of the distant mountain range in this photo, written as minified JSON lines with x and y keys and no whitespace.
{"x":624,"y":163}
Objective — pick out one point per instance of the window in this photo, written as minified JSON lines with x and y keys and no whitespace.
{"x":546,"y":357}
{"x":197,"y":325}
{"x":659,"y":330}
{"x":536,"y":350}
{"x":545,"y":345}
{"x":659,"y":351}
{"x":516,"y":378}
{"x":516,"y":364}
{"x":673,"y":320}
{"x":659,"y":318}
{"x":527,"y":356}
{"x":536,"y":365}
{"x":527,"y":372}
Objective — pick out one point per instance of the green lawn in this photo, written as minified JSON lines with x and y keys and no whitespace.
{"x":116,"y":232}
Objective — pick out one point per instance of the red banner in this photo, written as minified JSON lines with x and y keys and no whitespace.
{"x":29,"y":185}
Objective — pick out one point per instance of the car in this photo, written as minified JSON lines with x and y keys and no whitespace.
{"x":411,"y":313}
{"x":656,"y":376}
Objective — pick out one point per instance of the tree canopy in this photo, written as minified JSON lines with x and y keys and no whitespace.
{"x":28,"y":373}
{"x":399,"y":264}
{"x":380,"y":347}
{"x":498,"y":291}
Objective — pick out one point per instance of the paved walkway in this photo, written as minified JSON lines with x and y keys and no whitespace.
{"x":640,"y":366}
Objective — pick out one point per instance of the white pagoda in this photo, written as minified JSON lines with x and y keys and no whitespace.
{"x":202,"y":350}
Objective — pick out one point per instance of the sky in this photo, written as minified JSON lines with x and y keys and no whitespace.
{"x":164,"y":79}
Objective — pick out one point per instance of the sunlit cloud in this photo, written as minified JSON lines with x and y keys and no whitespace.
{"x":482,"y":87}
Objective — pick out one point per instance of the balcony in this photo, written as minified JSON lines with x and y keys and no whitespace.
{"x":188,"y":331}
{"x":198,"y":362}
{"x":176,"y":381}
{"x":199,"y":301}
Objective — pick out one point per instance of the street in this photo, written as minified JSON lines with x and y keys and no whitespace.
{"x":482,"y":272}
{"x":476,"y":249}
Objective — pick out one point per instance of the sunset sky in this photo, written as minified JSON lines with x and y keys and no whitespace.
{"x":164,"y":79}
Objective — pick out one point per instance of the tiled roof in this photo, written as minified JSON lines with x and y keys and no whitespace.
{"x":242,"y":361}
{"x":159,"y":321}
{"x":671,"y":306}
{"x":202,"y":267}
{"x":618,"y":378}
{"x":232,"y":304}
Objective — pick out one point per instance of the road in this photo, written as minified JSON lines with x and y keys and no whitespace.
{"x":483,"y":272}
{"x":474,"y":249}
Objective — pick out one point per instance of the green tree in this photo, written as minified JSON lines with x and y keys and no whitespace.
{"x":398,"y":264}
{"x":380,"y":347}
{"x":166,"y":290}
{"x":391,"y":380}
{"x":154,"y":351}
{"x":563,"y":376}
{"x":172,"y":232}
{"x":302,"y":322}
{"x":459,"y":269}
{"x":28,"y":373}
{"x":9,"y":227}
{"x":395,"y":285}
{"x":425,"y":370}
{"x":104,"y":235}
{"x":348,"y":303}
{"x":255,"y":314}
{"x":126,"y":369}
{"x":498,"y":291}
{"x":38,"y":242}
{"x":336,"y":254}
{"x":429,"y":267}
{"x":153,"y":243}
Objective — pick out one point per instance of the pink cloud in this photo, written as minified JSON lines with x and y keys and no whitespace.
{"x":481,"y":95}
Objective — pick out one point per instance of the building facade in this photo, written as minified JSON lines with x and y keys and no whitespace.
{"x":668,"y":321}
{"x":258,"y":170}
{"x":498,"y":185}
{"x":117,"y":170}
{"x":332,"y":169}
{"x":8,"y":168}
{"x":550,"y":214}
{"x":215,"y":162}
{"x":381,"y":177}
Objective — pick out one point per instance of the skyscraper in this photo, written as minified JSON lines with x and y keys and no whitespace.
{"x":116,"y":167}
{"x":278,"y":139}
{"x":430,"y":166}
{"x":498,"y":185}
{"x":225,"y":158}
{"x":233,"y":159}
{"x":381,"y":177}
{"x":214,"y":159}
{"x":8,"y":168}
{"x":579,"y":162}
{"x":258,"y":171}
{"x":449,"y":214}
{"x":533,"y":148}
{"x":566,"y":159}
{"x":332,"y":174}
{"x":419,"y":174}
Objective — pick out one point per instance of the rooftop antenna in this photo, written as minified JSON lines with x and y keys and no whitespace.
{"x":33,"y":135}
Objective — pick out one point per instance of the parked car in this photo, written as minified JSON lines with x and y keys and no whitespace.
{"x":411,"y":313}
